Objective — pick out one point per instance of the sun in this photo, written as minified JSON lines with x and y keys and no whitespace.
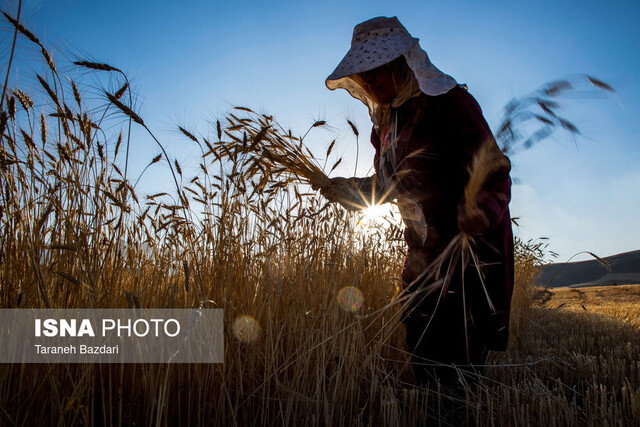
{"x":377,"y":211}
{"x":376,"y":216}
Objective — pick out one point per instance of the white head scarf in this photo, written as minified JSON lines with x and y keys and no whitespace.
{"x":379,"y":41}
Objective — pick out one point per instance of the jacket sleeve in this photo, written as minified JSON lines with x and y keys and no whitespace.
{"x":495,"y":195}
{"x":471,"y":133}
{"x":368,"y":191}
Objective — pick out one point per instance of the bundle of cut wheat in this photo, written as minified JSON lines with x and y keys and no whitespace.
{"x":259,"y":148}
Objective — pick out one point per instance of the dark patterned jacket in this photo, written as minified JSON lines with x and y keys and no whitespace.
{"x":437,"y":139}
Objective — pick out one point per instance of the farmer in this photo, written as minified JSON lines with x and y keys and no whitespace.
{"x":426,"y":131}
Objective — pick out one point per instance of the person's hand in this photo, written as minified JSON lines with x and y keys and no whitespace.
{"x":339,"y":190}
{"x":473,"y":222}
{"x":336,"y":189}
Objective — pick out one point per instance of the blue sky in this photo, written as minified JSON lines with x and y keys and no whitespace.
{"x":192,"y":60}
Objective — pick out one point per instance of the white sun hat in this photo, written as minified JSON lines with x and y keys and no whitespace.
{"x":379,"y":41}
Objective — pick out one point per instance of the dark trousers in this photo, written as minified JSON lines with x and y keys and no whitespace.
{"x":445,"y":344}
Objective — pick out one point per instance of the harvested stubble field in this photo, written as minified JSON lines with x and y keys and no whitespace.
{"x":74,"y":233}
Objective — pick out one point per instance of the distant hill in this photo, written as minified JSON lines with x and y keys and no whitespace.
{"x":624,"y":270}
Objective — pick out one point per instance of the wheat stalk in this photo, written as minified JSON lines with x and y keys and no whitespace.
{"x":261,"y":150}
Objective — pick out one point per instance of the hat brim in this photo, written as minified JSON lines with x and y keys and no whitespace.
{"x":371,"y":54}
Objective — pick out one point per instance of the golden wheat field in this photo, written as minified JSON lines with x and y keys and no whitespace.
{"x":312,"y":330}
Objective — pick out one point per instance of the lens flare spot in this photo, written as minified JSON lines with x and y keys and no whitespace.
{"x":246,"y":329}
{"x":350,"y":299}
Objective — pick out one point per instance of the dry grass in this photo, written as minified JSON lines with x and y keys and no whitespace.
{"x":586,"y":350}
{"x":617,"y":302}
{"x":74,"y":233}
